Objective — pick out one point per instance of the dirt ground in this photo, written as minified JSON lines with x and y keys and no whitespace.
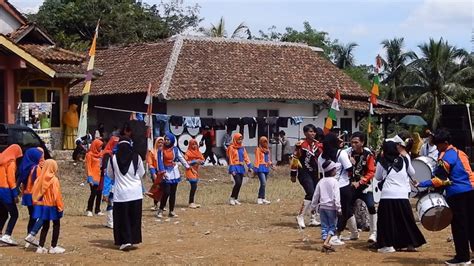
{"x":217,"y":233}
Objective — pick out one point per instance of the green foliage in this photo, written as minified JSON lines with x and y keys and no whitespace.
{"x":342,"y":54}
{"x":242,"y":31}
{"x":72,"y":22}
{"x":375,"y":138}
{"x":362,"y":75}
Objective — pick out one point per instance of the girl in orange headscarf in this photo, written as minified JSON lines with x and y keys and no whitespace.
{"x":238,"y":158}
{"x":154,"y":159}
{"x":47,"y":190}
{"x":93,"y":162}
{"x":8,"y":191}
{"x":194,"y":158}
{"x":106,"y":182}
{"x":71,"y":122}
{"x":263,"y":162}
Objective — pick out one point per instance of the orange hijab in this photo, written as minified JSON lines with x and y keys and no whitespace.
{"x":45,"y":179}
{"x":95,"y":149}
{"x":193,"y":152}
{"x":263,"y":144}
{"x":235,"y":138}
{"x":110,"y":145}
{"x":71,"y":118}
{"x":159,"y":143}
{"x":11,"y":153}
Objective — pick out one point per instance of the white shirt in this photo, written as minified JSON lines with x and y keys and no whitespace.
{"x":397,"y":184}
{"x":127,"y":187}
{"x":326,"y":195}
{"x":344,"y":163}
{"x":428,"y":150}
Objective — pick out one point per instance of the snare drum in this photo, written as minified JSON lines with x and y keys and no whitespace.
{"x":434,"y":212}
{"x":424,"y":167}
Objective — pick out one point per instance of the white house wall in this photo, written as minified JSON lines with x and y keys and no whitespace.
{"x":7,"y":22}
{"x":224,"y":110}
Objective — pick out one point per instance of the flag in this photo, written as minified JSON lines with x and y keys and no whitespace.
{"x":332,"y":112}
{"x":375,"y":86}
{"x":149,"y":118}
{"x":82,"y":130}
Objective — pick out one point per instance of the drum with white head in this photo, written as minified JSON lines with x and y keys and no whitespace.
{"x":424,"y":167}
{"x":434,"y":212}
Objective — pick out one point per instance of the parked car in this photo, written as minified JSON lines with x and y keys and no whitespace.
{"x":21,"y":135}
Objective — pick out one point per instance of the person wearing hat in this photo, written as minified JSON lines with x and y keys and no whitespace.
{"x":327,"y":201}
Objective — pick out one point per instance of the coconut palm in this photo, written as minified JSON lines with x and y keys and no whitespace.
{"x":394,"y":65}
{"x":242,"y":31}
{"x":343,"y":55}
{"x":437,"y":77}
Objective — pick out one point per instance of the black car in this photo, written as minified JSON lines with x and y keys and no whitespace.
{"x":21,"y":135}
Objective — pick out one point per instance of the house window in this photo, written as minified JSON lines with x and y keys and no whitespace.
{"x":210,"y":112}
{"x":269,"y":131}
{"x":197,"y":112}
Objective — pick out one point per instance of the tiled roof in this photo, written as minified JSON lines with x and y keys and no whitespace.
{"x":382,"y":108}
{"x":129,"y":69}
{"x":61,"y":60}
{"x":28,"y":30}
{"x":19,"y":32}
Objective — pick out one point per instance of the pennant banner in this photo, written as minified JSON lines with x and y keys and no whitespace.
{"x":149,"y":118}
{"x":332,"y":112}
{"x":82,"y":130}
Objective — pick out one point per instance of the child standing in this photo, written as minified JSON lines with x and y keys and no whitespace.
{"x":93,"y":162}
{"x":194,"y":158}
{"x":327,"y":201}
{"x":263,"y":162}
{"x":8,"y":191}
{"x":48,"y":189}
{"x":155,"y":162}
{"x":238,"y":158}
{"x":29,"y":170}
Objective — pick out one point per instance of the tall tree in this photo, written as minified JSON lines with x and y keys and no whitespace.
{"x":72,"y":22}
{"x":343,"y":54}
{"x":394,"y":65}
{"x":437,"y":77}
{"x":242,"y":31}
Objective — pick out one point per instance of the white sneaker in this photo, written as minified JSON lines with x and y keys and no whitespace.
{"x":100,"y":214}
{"x":56,"y":250}
{"x":89,"y":214}
{"x":232,"y":201}
{"x":8,"y":240}
{"x":154,"y":208}
{"x":314,"y":222}
{"x":352,"y":236}
{"x":266,"y":202}
{"x":386,"y":250}
{"x":194,"y":206}
{"x":237,"y":202}
{"x":336,"y":241}
{"x":372,"y":237}
{"x":125,"y":247}
{"x":259,"y":201}
{"x":300,"y":220}
{"x":159,"y":214}
{"x":31,"y":239}
{"x":27,"y":245}
{"x":41,"y":250}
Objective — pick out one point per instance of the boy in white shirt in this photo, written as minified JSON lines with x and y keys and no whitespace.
{"x":327,"y":201}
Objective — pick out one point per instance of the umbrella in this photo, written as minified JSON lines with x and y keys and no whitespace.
{"x":415,"y":120}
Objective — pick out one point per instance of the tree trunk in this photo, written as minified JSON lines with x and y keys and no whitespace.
{"x":436,"y":111}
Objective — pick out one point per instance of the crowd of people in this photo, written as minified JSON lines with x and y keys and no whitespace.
{"x":332,"y":176}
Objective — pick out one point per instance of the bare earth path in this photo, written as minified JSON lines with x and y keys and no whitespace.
{"x":215,"y":234}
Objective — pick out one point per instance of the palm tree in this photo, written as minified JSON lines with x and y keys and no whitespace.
{"x":395,"y":67}
{"x":342,"y":55}
{"x":437,"y":77}
{"x":242,"y":31}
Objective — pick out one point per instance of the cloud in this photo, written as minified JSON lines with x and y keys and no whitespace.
{"x":359,"y":30}
{"x":440,"y":15}
{"x":27,"y":6}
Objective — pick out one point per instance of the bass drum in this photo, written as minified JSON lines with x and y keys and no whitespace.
{"x":424,"y":167}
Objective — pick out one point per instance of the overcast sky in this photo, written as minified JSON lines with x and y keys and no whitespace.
{"x":366,"y":22}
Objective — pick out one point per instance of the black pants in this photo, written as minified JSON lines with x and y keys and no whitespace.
{"x":128,"y":222}
{"x":31,"y":221}
{"x":471,"y":220}
{"x":461,"y":205}
{"x":6,"y":209}
{"x":210,"y":154}
{"x":192,"y":192}
{"x":44,"y":233}
{"x":238,"y":178}
{"x":95,"y":195}
{"x":367,"y":198}
{"x":308,"y":181}
{"x":347,"y":193}
{"x":169,"y":191}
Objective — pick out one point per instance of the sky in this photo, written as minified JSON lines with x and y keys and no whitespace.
{"x":365,"y":22}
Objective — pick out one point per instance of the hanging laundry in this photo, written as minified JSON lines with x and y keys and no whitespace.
{"x":252,"y":123}
{"x":176,"y":121}
{"x":262,"y":126}
{"x":219,"y":123}
{"x":282,"y":121}
{"x":296,"y":120}
{"x":232,"y":123}
{"x":192,"y":121}
{"x":139,"y":117}
{"x":272,"y":125}
{"x":207,"y":122}
{"x":162,"y":125}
